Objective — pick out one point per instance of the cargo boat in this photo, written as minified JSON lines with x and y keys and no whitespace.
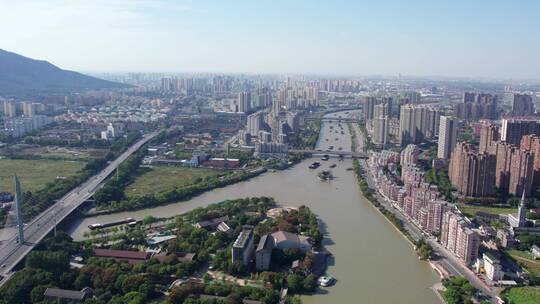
{"x":129,"y":220}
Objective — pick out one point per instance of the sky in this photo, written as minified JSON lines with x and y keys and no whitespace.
{"x":473,"y":38}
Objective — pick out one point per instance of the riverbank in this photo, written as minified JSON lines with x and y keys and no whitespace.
{"x":176,"y":195}
{"x":388,"y":215}
{"x":189,"y":191}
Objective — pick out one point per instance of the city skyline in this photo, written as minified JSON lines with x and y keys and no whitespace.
{"x":345,"y":38}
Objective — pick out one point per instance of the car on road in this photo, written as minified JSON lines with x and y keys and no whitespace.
{"x":3,"y":266}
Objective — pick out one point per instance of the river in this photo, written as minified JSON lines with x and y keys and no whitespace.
{"x":373,"y":263}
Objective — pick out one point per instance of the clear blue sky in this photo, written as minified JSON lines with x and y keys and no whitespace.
{"x":474,"y":38}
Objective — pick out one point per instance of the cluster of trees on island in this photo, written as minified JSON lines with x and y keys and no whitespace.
{"x":121,"y":282}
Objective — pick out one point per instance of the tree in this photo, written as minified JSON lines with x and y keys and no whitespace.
{"x":149,"y":220}
{"x":18,"y":289}
{"x":458,"y":290}
{"x":53,"y":261}
{"x":309,"y":283}
{"x":424,"y":250}
{"x":36,"y":295}
{"x":182,"y":292}
{"x":83,"y":280}
{"x":233,"y":298}
{"x":134,"y":297}
{"x":294,"y":282}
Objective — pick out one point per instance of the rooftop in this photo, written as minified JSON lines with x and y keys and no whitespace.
{"x":121,"y":254}
{"x":282,"y":236}
{"x":243,"y":238}
{"x":68,"y":294}
{"x":265,"y":243}
{"x":212,"y":222}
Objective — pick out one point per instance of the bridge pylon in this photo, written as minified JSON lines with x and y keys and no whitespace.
{"x":18,"y":208}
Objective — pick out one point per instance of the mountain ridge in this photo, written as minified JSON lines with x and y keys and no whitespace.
{"x":20,"y":74}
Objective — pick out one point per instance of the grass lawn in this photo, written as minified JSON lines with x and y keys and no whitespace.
{"x":524,"y":295}
{"x":471,"y":210}
{"x":525,"y":261}
{"x":160,"y":178}
{"x":34,"y":174}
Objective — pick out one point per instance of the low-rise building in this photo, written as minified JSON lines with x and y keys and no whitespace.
{"x":68,"y":296}
{"x":287,"y":240}
{"x":132,"y":257}
{"x":212,"y":223}
{"x":505,"y":238}
{"x":221,"y":163}
{"x":492,"y":266}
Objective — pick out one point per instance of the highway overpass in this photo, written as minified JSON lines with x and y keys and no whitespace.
{"x":333,"y":119}
{"x":11,"y":252}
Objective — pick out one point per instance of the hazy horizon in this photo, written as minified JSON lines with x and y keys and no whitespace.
{"x":491,"y":40}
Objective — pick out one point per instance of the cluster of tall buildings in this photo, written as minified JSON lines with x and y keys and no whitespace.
{"x":23,"y":117}
{"x":400,"y":116}
{"x":271,"y":127}
{"x":517,"y":169}
{"x":248,"y":101}
{"x":477,"y":106}
{"x":341,"y":85}
{"x":290,"y":98}
{"x":295,"y":97}
{"x":187,"y":85}
{"x":522,"y":105}
{"x":471,"y":172}
{"x":507,"y":160}
{"x":12,"y":109}
{"x":513,"y":129}
{"x":20,"y":126}
{"x":416,"y":123}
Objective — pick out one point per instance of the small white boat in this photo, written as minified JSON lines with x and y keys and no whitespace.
{"x":325,"y":281}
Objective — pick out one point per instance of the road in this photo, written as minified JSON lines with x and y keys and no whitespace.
{"x":446,"y":258}
{"x":11,"y":252}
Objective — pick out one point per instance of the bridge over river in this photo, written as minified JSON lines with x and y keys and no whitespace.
{"x":331,"y":153}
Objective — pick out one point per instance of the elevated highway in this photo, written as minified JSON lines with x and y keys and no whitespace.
{"x":11,"y":252}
